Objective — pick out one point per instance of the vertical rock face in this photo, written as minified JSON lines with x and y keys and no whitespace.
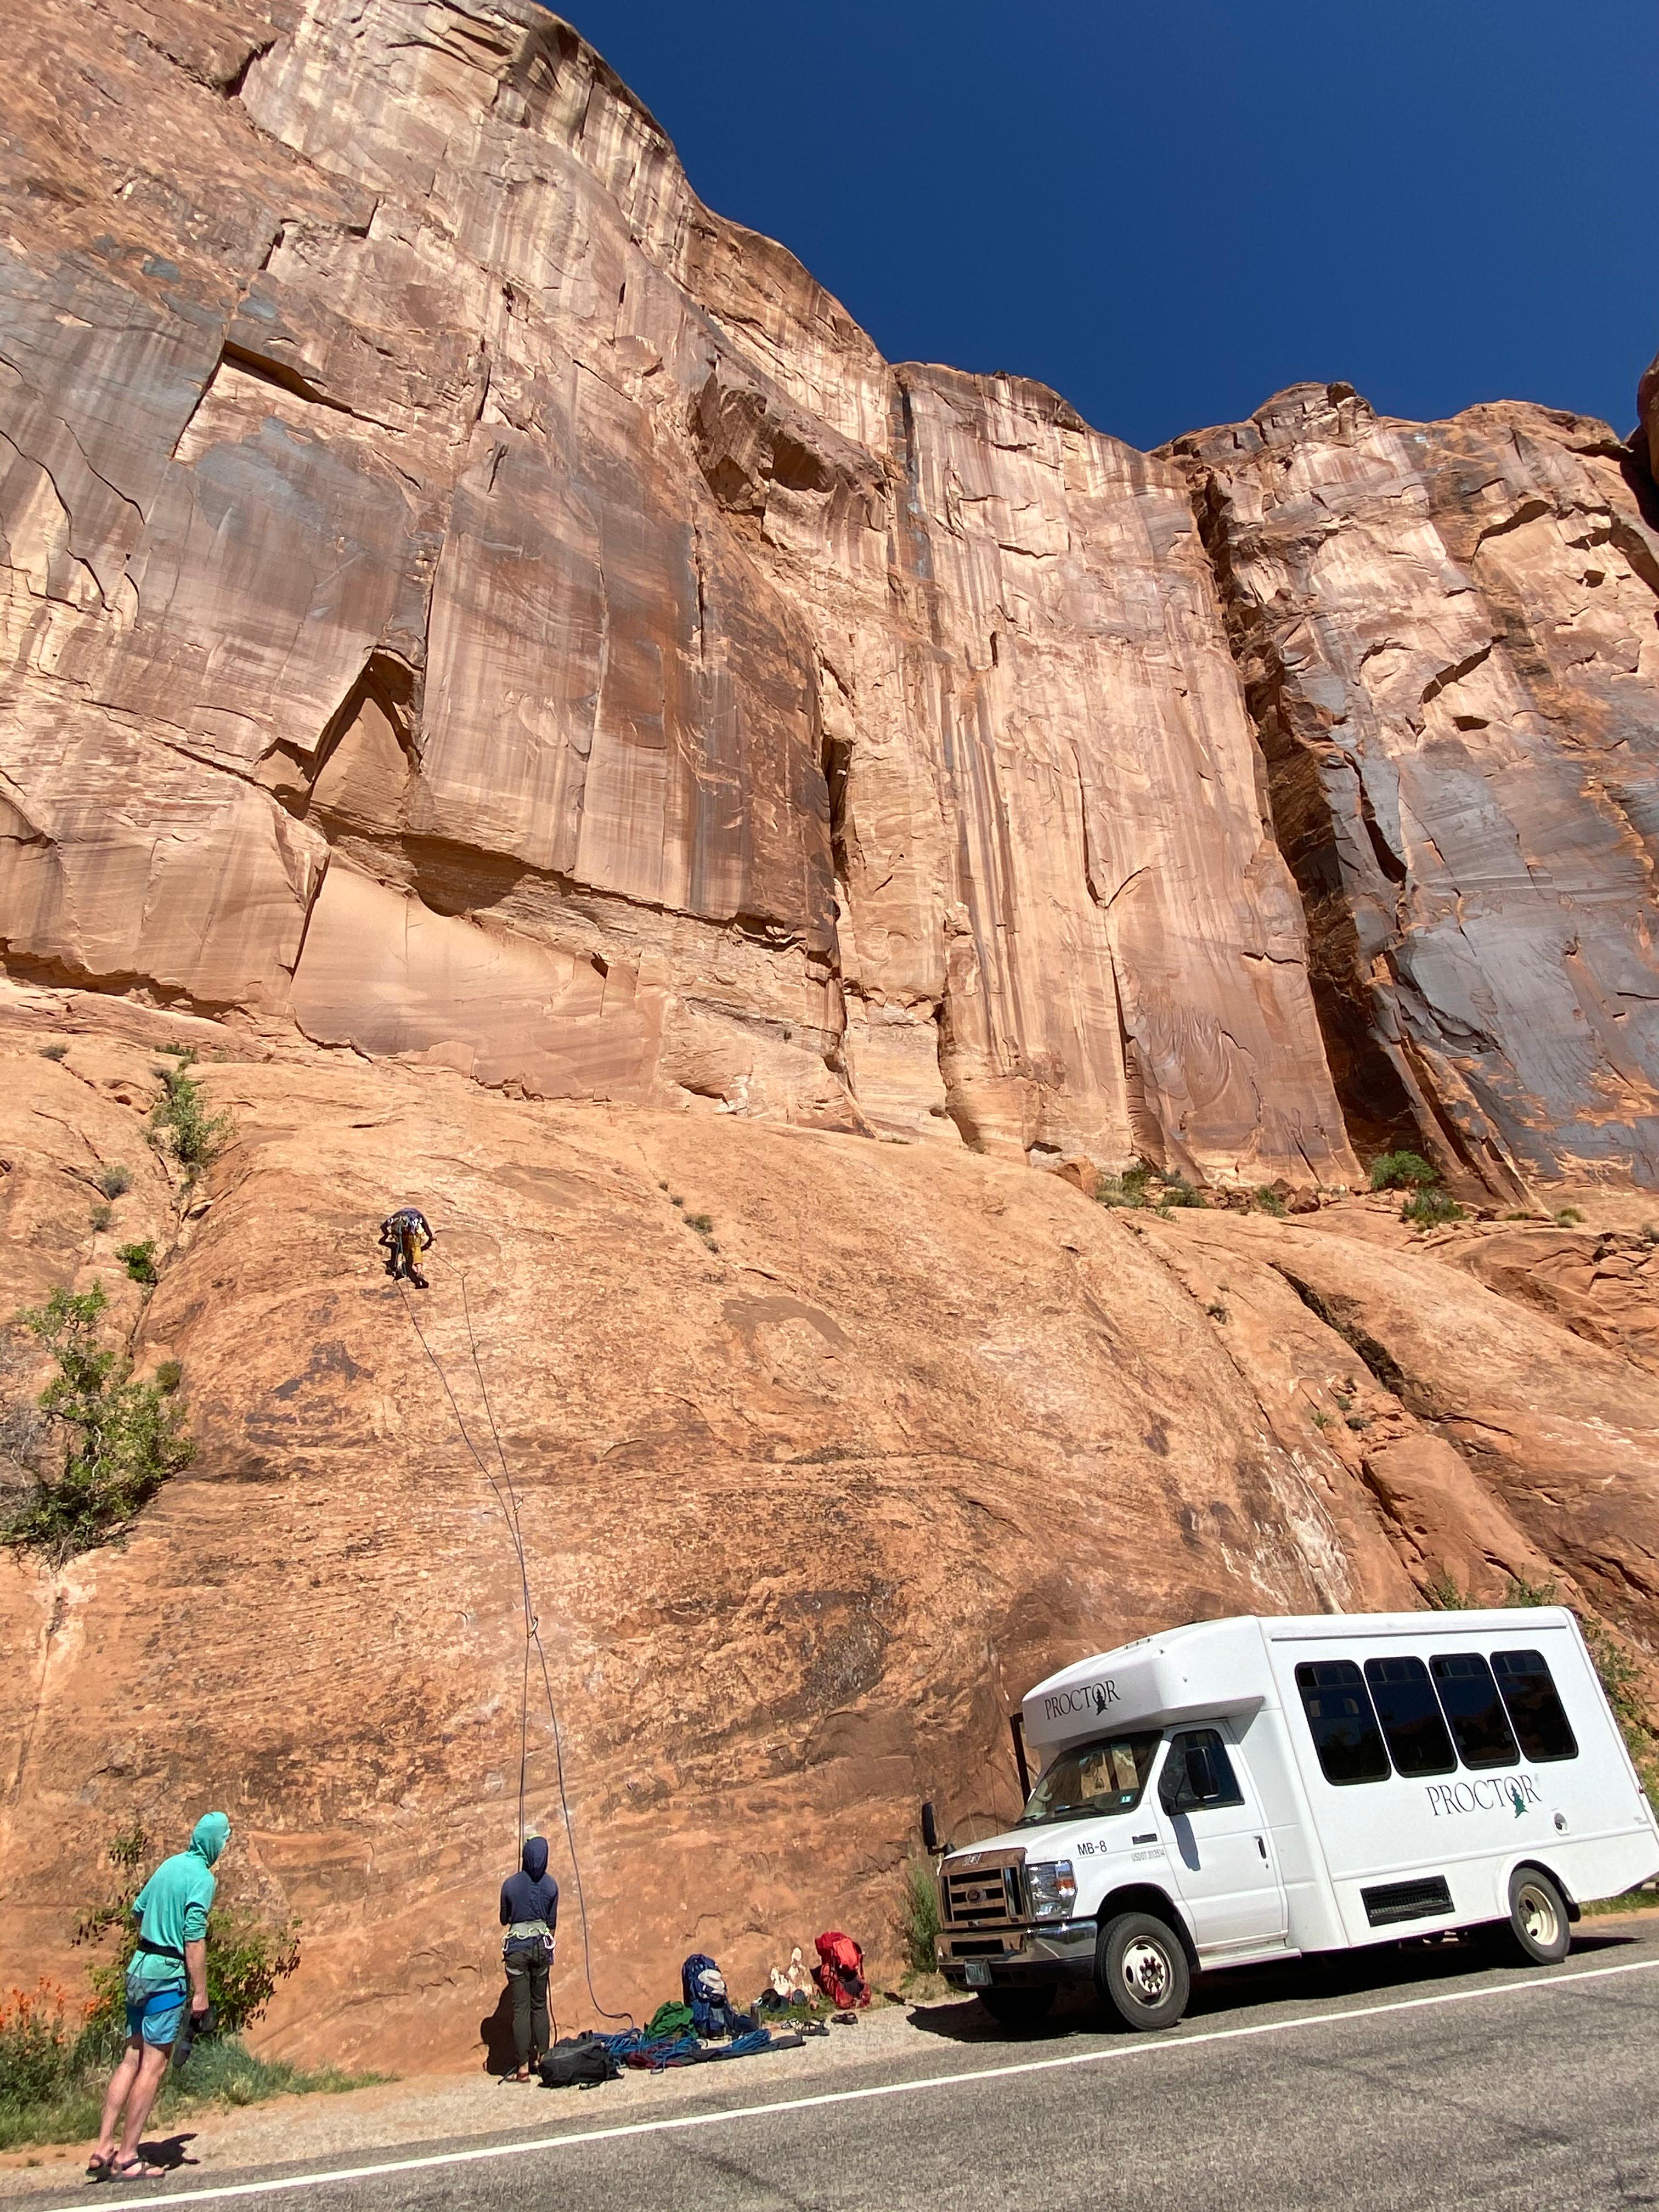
{"x":1448,"y":635}
{"x":466,"y":598}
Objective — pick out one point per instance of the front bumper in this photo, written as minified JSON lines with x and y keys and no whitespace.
{"x":1021,"y":1958}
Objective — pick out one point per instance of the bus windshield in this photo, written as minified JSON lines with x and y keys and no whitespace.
{"x":1107,"y":1776}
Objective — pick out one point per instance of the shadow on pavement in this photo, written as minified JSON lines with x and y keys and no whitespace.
{"x":1403,"y":1967}
{"x":169,"y":2151}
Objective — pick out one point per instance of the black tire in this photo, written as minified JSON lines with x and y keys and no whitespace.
{"x":1538,"y":1932}
{"x":1023,"y":2007}
{"x":1141,"y":1971}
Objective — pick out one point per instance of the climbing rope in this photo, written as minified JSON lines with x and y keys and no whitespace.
{"x":507,"y":1499}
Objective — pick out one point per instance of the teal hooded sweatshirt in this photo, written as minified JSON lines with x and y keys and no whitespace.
{"x":172,"y":1906}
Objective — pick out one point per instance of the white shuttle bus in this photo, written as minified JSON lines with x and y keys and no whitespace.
{"x":1254,"y":1789}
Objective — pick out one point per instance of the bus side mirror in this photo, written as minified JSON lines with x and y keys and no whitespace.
{"x":929,"y":1832}
{"x":1201,"y":1777}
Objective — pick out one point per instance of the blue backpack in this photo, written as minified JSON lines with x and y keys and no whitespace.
{"x":703,"y":1987}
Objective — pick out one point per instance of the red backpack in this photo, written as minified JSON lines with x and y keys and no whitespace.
{"x":840,"y":1971}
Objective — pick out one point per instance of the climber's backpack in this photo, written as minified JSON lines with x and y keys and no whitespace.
{"x":840,"y":1970}
{"x":703,"y":1986}
{"x":576,"y":2062}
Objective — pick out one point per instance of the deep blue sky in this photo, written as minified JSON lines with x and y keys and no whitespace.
{"x":1169,"y":209}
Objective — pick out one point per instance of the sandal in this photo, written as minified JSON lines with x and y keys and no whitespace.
{"x":134,"y":2169}
{"x":100,"y":2164}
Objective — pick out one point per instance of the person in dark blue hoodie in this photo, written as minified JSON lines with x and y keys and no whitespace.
{"x":530,"y":1914}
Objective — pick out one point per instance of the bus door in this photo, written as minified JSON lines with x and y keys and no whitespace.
{"x":1221,"y":1849}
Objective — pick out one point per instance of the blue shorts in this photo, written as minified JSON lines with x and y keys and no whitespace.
{"x":156,"y":2015}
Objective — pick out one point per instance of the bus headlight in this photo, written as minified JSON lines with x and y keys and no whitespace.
{"x":1052,"y":1888}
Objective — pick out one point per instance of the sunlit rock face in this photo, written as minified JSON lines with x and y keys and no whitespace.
{"x":468,"y":600}
{"x":1448,"y":635}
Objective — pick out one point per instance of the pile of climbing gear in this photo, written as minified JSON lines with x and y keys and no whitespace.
{"x":705,"y":2026}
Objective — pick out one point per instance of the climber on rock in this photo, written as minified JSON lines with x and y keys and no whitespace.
{"x":405,"y":1236}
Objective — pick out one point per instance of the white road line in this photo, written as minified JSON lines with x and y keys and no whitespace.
{"x":1150,"y":2047}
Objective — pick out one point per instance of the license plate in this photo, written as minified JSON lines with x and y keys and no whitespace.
{"x":979,"y":1974}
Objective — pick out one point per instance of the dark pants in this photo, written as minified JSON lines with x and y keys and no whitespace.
{"x":527,"y":1975}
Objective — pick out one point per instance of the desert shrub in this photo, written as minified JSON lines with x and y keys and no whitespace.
{"x":1132,"y":1188}
{"x":57,"y":1051}
{"x":918,"y":1916}
{"x":169,"y":1376}
{"x":1177,"y":1191}
{"x":1216,"y":1312}
{"x":1428,"y":1209}
{"x":1401,"y":1171}
{"x":702,"y":1223}
{"x":180,"y":1118}
{"x":37,"y":2045}
{"x":247,"y":1955}
{"x":101,"y":1217}
{"x":1269,"y":1201}
{"x":1568,"y":1217}
{"x":121,"y":1439}
{"x":139,"y":1261}
{"x":114,"y":1181}
{"x":1444,"y":1594}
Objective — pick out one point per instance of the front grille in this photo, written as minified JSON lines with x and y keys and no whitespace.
{"x":986,"y":1892}
{"x":1407,"y":1900}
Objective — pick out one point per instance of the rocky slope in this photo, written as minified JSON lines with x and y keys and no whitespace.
{"x":491,"y":655}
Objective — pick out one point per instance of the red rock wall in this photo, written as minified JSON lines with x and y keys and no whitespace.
{"x":552,"y":642}
{"x":1449,"y":636}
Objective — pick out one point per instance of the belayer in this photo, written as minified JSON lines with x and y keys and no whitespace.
{"x":530,"y":1914}
{"x":405,"y":1236}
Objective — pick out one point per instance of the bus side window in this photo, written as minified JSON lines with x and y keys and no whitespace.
{"x":1411,"y":1716}
{"x":1342,"y":1723}
{"x":1479,"y":1724}
{"x":1534,"y":1705}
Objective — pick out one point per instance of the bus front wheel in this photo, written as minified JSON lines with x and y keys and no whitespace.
{"x":1140,"y":1968}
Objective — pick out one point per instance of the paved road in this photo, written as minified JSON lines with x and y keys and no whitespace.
{"x":1400,"y":2080}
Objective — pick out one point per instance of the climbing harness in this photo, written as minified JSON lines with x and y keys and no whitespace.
{"x":507,"y":1499}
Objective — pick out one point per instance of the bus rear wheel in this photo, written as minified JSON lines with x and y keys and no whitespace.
{"x":1141,"y":1969}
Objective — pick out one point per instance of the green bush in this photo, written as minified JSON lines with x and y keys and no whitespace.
{"x":1269,"y":1201}
{"x":169,"y":1376}
{"x":1568,"y":1217}
{"x":36,"y":2043}
{"x":122,"y":1439}
{"x":1428,"y":1209}
{"x":101,"y":1217}
{"x":180,"y":1121}
{"x":1177,"y":1191}
{"x":247,"y":1957}
{"x":918,"y":1917}
{"x":114,"y":1181}
{"x":139,"y":1261}
{"x":1401,"y":1171}
{"x":58,"y":1051}
{"x":1130,"y":1189}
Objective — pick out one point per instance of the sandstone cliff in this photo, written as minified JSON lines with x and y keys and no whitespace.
{"x":491,"y":654}
{"x":1448,"y":636}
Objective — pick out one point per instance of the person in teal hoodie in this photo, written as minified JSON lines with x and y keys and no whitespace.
{"x":167,"y":1972}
